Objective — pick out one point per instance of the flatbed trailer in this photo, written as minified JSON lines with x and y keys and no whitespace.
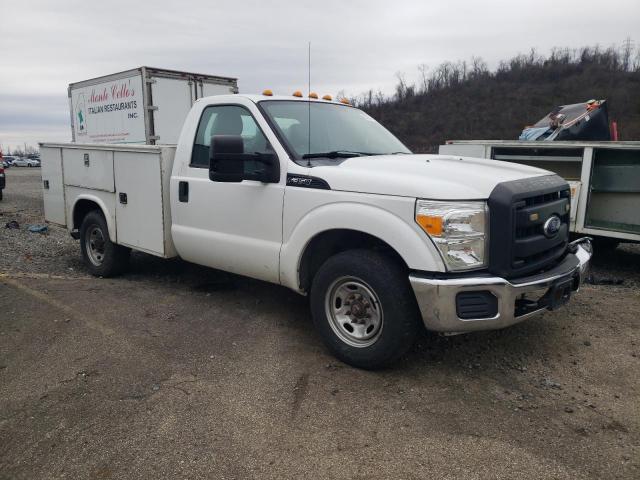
{"x":604,"y":179}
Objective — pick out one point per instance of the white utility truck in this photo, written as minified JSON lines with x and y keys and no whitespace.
{"x":142,"y":105}
{"x":317,"y":196}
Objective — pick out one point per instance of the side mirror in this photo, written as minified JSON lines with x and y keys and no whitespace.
{"x":226,"y":158}
{"x":227,"y":162}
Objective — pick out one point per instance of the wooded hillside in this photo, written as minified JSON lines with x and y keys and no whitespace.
{"x":466,"y":100}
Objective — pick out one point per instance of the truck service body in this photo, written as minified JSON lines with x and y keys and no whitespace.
{"x":382,"y":240}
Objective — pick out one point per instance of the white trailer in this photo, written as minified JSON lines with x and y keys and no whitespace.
{"x":604,"y":178}
{"x":142,"y":105}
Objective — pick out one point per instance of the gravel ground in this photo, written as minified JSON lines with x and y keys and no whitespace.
{"x":179,"y":371}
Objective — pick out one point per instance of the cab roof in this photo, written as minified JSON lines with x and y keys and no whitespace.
{"x":255,"y":98}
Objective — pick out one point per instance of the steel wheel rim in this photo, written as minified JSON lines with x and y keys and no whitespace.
{"x":94,"y":243}
{"x":354,"y":312}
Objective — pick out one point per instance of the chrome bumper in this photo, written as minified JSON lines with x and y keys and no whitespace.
{"x":437,"y":297}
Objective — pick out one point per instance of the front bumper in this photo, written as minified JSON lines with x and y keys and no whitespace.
{"x":437,"y":296}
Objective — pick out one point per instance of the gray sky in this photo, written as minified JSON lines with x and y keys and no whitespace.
{"x":356,"y":45}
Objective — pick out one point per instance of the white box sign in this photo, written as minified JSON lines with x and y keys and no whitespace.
{"x":110,"y":112}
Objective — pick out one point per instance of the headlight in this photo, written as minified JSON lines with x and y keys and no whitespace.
{"x":459,"y":230}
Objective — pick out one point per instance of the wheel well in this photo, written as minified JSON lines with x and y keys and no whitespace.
{"x":331,"y":242}
{"x":80,"y":210}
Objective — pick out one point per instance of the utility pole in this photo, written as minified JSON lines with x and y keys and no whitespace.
{"x":627,"y":51}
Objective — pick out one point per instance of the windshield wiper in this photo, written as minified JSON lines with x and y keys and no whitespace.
{"x":335,"y":154}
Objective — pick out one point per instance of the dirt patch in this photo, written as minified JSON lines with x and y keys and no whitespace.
{"x":174,"y":370}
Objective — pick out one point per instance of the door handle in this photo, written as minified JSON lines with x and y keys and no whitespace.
{"x":183,"y":191}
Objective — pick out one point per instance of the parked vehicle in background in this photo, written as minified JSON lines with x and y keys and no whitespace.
{"x":2,"y":180}
{"x":317,"y":196}
{"x":8,"y":160}
{"x":25,"y":162}
{"x":604,"y":178}
{"x":143,"y":105}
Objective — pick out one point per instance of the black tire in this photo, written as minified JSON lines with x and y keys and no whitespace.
{"x":0,"y":194}
{"x":103,"y":258}
{"x":386,"y":280}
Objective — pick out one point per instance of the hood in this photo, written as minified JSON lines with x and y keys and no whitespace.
{"x":423,"y":176}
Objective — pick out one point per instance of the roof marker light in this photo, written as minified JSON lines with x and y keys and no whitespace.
{"x":345,"y":101}
{"x":297,"y":93}
{"x":327,"y":97}
{"x":267,"y":93}
{"x":313,"y":95}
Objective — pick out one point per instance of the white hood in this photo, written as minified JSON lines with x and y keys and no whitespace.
{"x":423,"y":176}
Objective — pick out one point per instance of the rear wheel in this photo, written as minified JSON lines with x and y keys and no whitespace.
{"x":363,"y":307}
{"x":102,"y":257}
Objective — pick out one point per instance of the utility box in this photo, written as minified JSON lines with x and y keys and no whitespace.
{"x":130,"y":181}
{"x":604,"y":178}
{"x":144,"y":105}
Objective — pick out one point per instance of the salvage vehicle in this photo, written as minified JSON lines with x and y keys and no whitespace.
{"x":317,"y":196}
{"x":604,"y":177}
{"x":2,"y":179}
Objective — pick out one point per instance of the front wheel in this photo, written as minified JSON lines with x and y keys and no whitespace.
{"x":102,"y":257}
{"x":364,"y":309}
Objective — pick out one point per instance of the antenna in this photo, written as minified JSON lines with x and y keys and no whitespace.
{"x":309,"y":104}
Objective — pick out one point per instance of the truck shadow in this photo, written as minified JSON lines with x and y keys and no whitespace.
{"x":504,"y":352}
{"x":618,"y":265}
{"x":511,"y":349}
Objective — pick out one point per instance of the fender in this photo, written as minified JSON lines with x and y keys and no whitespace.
{"x":408,"y":240}
{"x":110,"y":218}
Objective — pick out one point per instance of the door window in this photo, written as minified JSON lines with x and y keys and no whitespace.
{"x":228,"y":120}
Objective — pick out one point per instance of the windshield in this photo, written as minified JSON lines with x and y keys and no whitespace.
{"x":336,"y":130}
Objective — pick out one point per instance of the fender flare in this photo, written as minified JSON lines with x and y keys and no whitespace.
{"x":408,"y":240}
{"x":111,"y":223}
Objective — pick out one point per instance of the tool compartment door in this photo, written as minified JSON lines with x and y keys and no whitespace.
{"x":88,"y":168}
{"x":139,"y":212}
{"x":52,"y":188}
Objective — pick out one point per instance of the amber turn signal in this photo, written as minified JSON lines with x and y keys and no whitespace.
{"x":430,"y":224}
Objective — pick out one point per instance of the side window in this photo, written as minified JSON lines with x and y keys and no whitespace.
{"x":228,"y":120}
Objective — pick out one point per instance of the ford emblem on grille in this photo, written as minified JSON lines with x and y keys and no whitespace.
{"x":552,"y":226}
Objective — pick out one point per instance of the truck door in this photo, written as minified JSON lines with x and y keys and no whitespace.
{"x":236,"y":227}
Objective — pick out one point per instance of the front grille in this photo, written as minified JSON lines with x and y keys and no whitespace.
{"x":518,"y":212}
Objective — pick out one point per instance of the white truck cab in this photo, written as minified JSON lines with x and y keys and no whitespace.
{"x":319,"y":197}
